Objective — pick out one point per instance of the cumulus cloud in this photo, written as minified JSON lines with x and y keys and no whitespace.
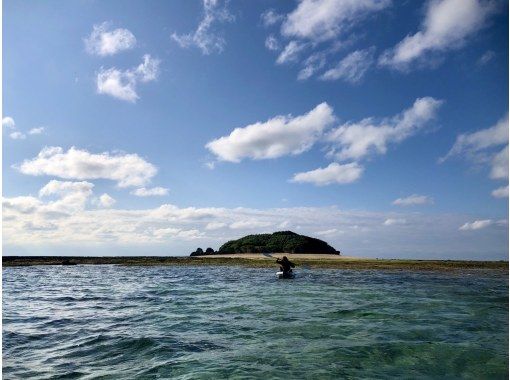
{"x":353,"y":67}
{"x":320,"y":20}
{"x":103,"y":41}
{"x":106,"y":201}
{"x":206,"y":37}
{"x":413,"y":200}
{"x":357,"y":140}
{"x":126,"y":169}
{"x":8,"y":122}
{"x":333,"y":173}
{"x":145,"y":192}
{"x":291,"y":52}
{"x":476,"y":225}
{"x":500,"y":192}
{"x":72,"y":196}
{"x":447,"y":25}
{"x":483,"y":147}
{"x":36,"y":131}
{"x":279,"y":136}
{"x":17,"y":135}
{"x":270,"y":17}
{"x":121,"y":84}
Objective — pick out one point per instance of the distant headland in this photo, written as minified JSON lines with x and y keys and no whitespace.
{"x":277,"y":242}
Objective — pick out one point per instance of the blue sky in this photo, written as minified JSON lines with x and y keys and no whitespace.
{"x":155,"y":128}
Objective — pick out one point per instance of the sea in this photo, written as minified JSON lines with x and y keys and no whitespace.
{"x":208,"y":322}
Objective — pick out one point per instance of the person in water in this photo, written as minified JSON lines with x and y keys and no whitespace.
{"x":285,"y":265}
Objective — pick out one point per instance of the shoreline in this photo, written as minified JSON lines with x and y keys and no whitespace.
{"x":258,"y":261}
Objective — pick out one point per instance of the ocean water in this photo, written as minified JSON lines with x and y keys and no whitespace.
{"x":227,"y":322}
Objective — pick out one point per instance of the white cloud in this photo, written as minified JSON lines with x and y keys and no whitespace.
{"x":272,"y":43}
{"x":488,"y":56}
{"x":249,"y":224}
{"x":106,"y":201}
{"x":332,"y":231}
{"x":270,"y":17}
{"x":291,"y":52}
{"x":8,"y":122}
{"x":37,"y":225}
{"x":205,"y":37}
{"x":499,"y":165}
{"x":479,"y":147}
{"x":353,"y":67}
{"x":177,"y":233}
{"x":126,"y":169}
{"x":320,"y":20}
{"x":72,"y":196}
{"x":476,"y":225}
{"x":472,"y":143}
{"x":122,"y":84}
{"x":279,"y":136}
{"x":357,"y":140}
{"x":36,"y":131}
{"x":394,"y":221}
{"x":448,"y":24}
{"x":103,"y":41}
{"x":155,"y":191}
{"x":333,"y":173}
{"x":413,"y":200}
{"x":500,"y":192}
{"x":312,"y":64}
{"x":215,"y":226}
{"x":17,"y":135}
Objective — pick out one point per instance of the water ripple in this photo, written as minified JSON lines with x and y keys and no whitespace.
{"x":88,"y":322}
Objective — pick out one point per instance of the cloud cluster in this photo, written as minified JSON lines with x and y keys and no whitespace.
{"x":276,"y":137}
{"x":359,"y":139}
{"x":316,"y":23}
{"x":413,"y":200}
{"x":128,"y":170}
{"x":447,"y":25}
{"x":103,"y":41}
{"x":8,"y":123}
{"x":487,"y":147}
{"x":287,"y":135}
{"x":326,"y":26}
{"x":206,"y":37}
{"x":321,"y":20}
{"x":63,"y":216}
{"x":121,"y":84}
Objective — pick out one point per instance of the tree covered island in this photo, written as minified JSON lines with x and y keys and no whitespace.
{"x":277,"y":242}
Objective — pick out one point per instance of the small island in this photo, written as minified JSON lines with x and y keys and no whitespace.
{"x":277,"y":242}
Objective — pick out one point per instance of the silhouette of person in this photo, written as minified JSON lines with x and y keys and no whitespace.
{"x":285,"y":265}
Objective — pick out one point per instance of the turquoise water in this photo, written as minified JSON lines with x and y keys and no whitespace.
{"x":226,"y":322}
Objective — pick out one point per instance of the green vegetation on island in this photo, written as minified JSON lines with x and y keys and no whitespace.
{"x":277,"y":242}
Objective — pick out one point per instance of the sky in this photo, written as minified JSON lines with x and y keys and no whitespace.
{"x":154,"y":128}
